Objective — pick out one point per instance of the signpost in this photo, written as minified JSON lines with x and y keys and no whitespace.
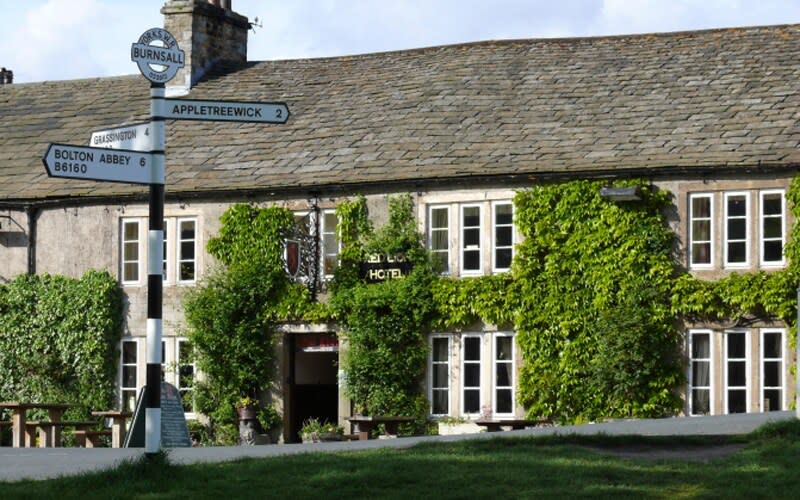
{"x":135,"y":154}
{"x":135,"y":137}
{"x":100,"y":164}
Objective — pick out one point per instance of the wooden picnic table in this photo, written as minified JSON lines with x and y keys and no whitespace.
{"x":118,"y":422}
{"x":18,"y":434}
{"x":365,"y":423}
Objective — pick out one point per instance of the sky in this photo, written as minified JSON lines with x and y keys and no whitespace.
{"x":67,"y":39}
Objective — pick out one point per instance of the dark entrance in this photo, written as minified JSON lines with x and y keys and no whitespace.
{"x":313,"y":391}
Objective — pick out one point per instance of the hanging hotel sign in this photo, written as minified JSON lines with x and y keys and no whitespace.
{"x":157,"y":55}
{"x":101,"y":164}
{"x":379,"y":267}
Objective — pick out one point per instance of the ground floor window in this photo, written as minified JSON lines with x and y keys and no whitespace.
{"x":472,"y":374}
{"x":736,"y":370}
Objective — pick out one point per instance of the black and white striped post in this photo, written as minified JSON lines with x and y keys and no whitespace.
{"x":159,"y":60}
{"x":155,"y":280}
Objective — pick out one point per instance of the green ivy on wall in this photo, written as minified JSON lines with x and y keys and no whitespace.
{"x":58,"y":339}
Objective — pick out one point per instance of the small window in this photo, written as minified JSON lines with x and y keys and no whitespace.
{"x":330,"y":243}
{"x":503,"y":374}
{"x":736,"y":372}
{"x":772,"y":227}
{"x":700,"y":372}
{"x":440,"y":376}
{"x":471,"y":254}
{"x":129,"y":374}
{"x":701,"y":231}
{"x":185,"y":375}
{"x":772,"y":370}
{"x":130,"y":251}
{"x":502,"y":236}
{"x":471,"y":374}
{"x":737,"y":229}
{"x":439,"y":238}
{"x":187,"y":250}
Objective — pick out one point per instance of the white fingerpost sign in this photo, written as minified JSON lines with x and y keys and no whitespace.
{"x":226,"y":111}
{"x":135,"y":137}
{"x":101,"y":164}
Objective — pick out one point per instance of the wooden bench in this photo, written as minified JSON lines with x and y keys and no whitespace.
{"x":90,"y":439}
{"x":515,"y":424}
{"x":50,"y":432}
{"x":365,"y":423}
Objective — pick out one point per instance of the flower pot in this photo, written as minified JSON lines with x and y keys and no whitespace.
{"x":247,"y":413}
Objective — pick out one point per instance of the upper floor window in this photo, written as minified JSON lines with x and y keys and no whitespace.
{"x":772,"y":227}
{"x":471,"y":239}
{"x":750,"y":232}
{"x":179,"y":263}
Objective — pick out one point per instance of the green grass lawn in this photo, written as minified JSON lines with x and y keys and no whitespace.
{"x":561,"y":467}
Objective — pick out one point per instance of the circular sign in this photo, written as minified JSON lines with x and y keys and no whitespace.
{"x":157,"y":55}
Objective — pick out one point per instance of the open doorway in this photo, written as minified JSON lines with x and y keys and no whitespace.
{"x":313,"y":390}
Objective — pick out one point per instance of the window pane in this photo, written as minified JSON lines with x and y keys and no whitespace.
{"x":773,"y":250}
{"x":440,"y":346}
{"x":472,"y":375}
{"x":701,"y":230}
{"x":187,"y":250}
{"x":439,"y":240}
{"x":503,"y":375}
{"x":472,"y":237}
{"x":131,"y":231}
{"x":737,"y":229}
{"x":503,"y":236}
{"x":773,"y":227}
{"x":472,"y":349}
{"x":187,"y":230}
{"x":503,"y":348}
{"x":129,"y":352}
{"x":772,"y":345}
{"x":701,"y":402}
{"x":772,"y":374}
{"x":472,"y":401}
{"x":700,"y":346}
{"x":773,"y":400}
{"x":504,"y":401}
{"x":440,"y":262}
{"x":737,"y":252}
{"x":129,"y":376}
{"x":737,"y":401}
{"x":187,"y":271}
{"x":329,"y":242}
{"x":773,"y":204}
{"x":440,"y":376}
{"x":439,"y":218}
{"x":128,"y":400}
{"x":503,"y":258}
{"x":472,"y":260}
{"x":440,"y":403}
{"x":737,"y":207}
{"x":736,"y":345}
{"x":701,"y":253}
{"x":701,"y":207}
{"x":737,"y":375}
{"x":701,"y":373}
{"x":131,"y":250}
{"x":472,"y":216}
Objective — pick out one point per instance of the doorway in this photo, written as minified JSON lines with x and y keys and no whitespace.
{"x":313,"y":390}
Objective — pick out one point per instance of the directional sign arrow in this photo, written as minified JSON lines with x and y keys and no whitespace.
{"x":101,"y":164}
{"x":135,"y":137}
{"x":226,"y":111}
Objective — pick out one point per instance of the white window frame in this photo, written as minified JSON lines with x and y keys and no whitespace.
{"x":726,"y":240}
{"x":178,"y":363}
{"x":495,"y":387}
{"x":462,"y":383}
{"x":446,"y":230}
{"x":179,"y":259}
{"x":781,"y":371}
{"x":432,"y":363}
{"x":461,"y":245}
{"x":748,"y":383}
{"x":762,"y":217}
{"x":121,"y":377}
{"x":323,"y":230}
{"x":139,"y":254}
{"x":495,"y":226}
{"x":711,"y":230}
{"x":690,"y":375}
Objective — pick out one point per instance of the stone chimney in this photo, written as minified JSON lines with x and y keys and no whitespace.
{"x":208,"y":32}
{"x":6,"y":76}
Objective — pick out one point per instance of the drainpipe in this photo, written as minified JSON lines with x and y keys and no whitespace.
{"x":33,"y":215}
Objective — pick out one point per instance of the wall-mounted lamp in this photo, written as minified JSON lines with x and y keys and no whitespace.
{"x":621,"y":193}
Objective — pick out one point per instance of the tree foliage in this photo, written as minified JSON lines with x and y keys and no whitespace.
{"x":58,"y":339}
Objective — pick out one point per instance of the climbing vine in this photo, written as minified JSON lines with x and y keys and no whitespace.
{"x":58,"y":339}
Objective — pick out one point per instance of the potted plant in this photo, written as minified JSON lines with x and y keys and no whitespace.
{"x":246,"y":407}
{"x":314,"y":431}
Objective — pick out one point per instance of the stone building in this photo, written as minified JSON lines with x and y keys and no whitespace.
{"x":708,"y":115}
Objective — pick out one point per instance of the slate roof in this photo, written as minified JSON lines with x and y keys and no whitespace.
{"x":638,"y":104}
